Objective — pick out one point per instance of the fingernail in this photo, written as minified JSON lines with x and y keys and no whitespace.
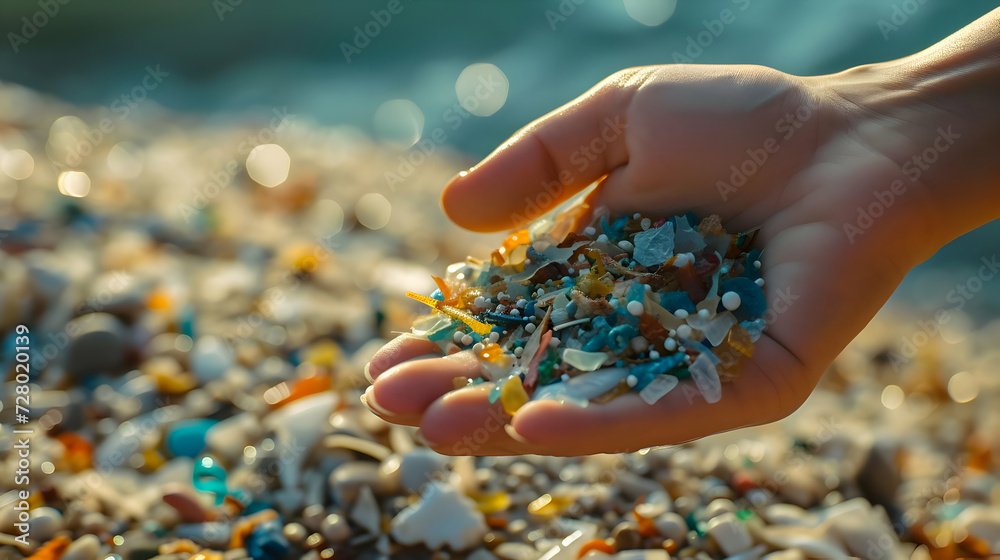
{"x":509,"y":428}
{"x":369,"y":400}
{"x":368,"y":374}
{"x":420,"y":438}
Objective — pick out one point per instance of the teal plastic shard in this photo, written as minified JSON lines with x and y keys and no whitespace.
{"x":655,"y":245}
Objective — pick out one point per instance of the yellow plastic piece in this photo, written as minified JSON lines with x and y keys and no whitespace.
{"x":477,"y":326}
{"x":512,"y":395}
{"x":548,"y":506}
{"x":492,"y":502}
{"x":739,"y":338}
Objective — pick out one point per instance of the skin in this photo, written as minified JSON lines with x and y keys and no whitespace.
{"x":834,"y":145}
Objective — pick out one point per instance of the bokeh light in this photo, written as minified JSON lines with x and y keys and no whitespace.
{"x":399,"y":121}
{"x":125,"y":160}
{"x":650,"y":12}
{"x":373,"y":210}
{"x":326,"y":218}
{"x":74,"y":183}
{"x":482,"y":89}
{"x":892,"y":397}
{"x":17,"y":164}
{"x":268,"y":164}
{"x":963,"y":387}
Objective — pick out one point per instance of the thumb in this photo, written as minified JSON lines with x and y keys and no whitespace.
{"x":547,"y":161}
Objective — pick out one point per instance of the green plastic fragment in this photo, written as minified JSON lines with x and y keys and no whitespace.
{"x":681,"y":373}
{"x":744,"y":515}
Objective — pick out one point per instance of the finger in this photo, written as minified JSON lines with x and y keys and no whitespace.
{"x":464,"y":422}
{"x":409,"y":388}
{"x":548,"y":160}
{"x":628,"y":423}
{"x":398,"y":350}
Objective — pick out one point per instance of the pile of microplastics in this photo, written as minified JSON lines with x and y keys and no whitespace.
{"x":631,"y":304}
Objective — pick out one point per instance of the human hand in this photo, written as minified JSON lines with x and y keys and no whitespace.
{"x":795,"y":156}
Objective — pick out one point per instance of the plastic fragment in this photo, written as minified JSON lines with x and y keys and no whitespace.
{"x":654,"y":245}
{"x":584,"y":361}
{"x":657,"y":388}
{"x":513,"y":396}
{"x":707,"y":378}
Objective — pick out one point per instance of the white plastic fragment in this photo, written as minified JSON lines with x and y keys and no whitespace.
{"x":441,"y":516}
{"x":707,"y":378}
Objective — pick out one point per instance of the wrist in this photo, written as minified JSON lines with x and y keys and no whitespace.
{"x":935,"y":115}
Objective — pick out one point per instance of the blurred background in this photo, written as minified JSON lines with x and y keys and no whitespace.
{"x":210,"y":211}
{"x":394,"y":75}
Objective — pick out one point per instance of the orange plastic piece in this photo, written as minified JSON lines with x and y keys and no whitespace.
{"x":449,"y":297}
{"x":79,"y":451}
{"x":52,"y":550}
{"x":646,"y":526}
{"x":312,"y":385}
{"x":670,"y":546}
{"x":492,"y":352}
{"x":514,"y":240}
{"x":600,"y":545}
{"x":158,"y":300}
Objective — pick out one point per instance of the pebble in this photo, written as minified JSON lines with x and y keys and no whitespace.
{"x":348,"y":479}
{"x":84,"y":548}
{"x":731,"y":535}
{"x":441,"y":516}
{"x":210,"y":358}
{"x":420,"y":466}
{"x":626,"y":536}
{"x":97,"y":344}
{"x":189,"y":509}
{"x":978,"y":528}
{"x":366,"y":512}
{"x":335,"y":529}
{"x":516,"y":551}
{"x":44,"y":523}
{"x":672,"y":526}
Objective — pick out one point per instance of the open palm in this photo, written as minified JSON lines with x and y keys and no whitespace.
{"x":758,"y":147}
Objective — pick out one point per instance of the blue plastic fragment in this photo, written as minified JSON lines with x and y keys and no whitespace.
{"x":596,"y":342}
{"x":672,"y":301}
{"x":755,"y":328}
{"x":636,"y":292}
{"x":749,"y":270}
{"x":436,"y":294}
{"x":187,"y":437}
{"x":752,"y":301}
{"x":505,"y":319}
{"x":620,"y":337}
{"x":268,"y":541}
{"x":645,"y":373}
{"x":571,"y":309}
